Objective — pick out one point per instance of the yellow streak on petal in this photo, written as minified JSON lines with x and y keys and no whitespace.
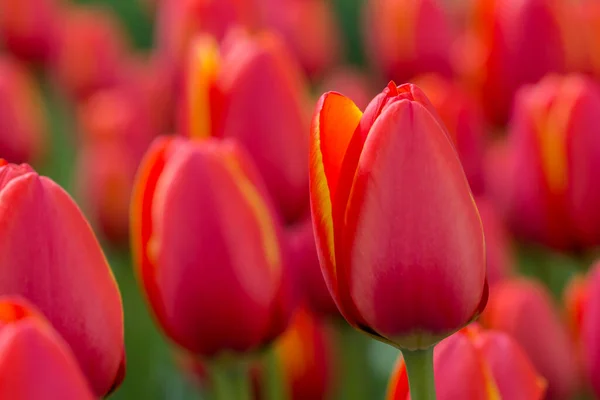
{"x":263,"y":216}
{"x":204,"y":65}
{"x":493,"y":393}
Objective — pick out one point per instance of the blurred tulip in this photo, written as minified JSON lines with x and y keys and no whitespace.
{"x":581,"y":22}
{"x":91,"y":50}
{"x":353,"y":84}
{"x":309,"y":28}
{"x":253,"y":92}
{"x":207,"y":247}
{"x":35,"y":362}
{"x":524,"y":310}
{"x":306,"y":358}
{"x":376,"y":243}
{"x":553,"y":153}
{"x":463,"y":118}
{"x":583,"y":306}
{"x":474,"y":364}
{"x":509,"y":43}
{"x":407,"y":37}
{"x":49,"y":255}
{"x":22,"y":117}
{"x":305,"y":263}
{"x":179,"y":21}
{"x":28,"y":28}
{"x":498,"y":247}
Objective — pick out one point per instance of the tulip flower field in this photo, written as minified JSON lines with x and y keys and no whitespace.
{"x":300,"y":199}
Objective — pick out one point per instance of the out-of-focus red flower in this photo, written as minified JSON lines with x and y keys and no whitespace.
{"x":305,"y":354}
{"x":49,"y":255}
{"x":309,"y":28}
{"x":385,"y":186}
{"x":35,"y":362}
{"x":207,"y":247}
{"x":253,"y":92}
{"x":351,"y":83}
{"x":463,"y":118}
{"x":22,"y":119}
{"x":90,"y":51}
{"x":583,"y":308}
{"x":179,"y":21}
{"x":508,"y":44}
{"x":28,"y":28}
{"x":581,"y":33}
{"x":548,"y":169}
{"x":476,"y":364}
{"x":498,"y":246}
{"x":305,"y":264}
{"x":525,"y":311}
{"x":405,"y":38}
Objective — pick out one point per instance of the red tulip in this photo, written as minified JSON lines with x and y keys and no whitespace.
{"x":475,"y":364}
{"x":385,"y":186}
{"x":583,"y":301}
{"x":91,"y":50}
{"x":553,"y":153}
{"x":408,"y":37}
{"x":353,"y":83}
{"x":22,"y":118}
{"x":305,"y":263}
{"x":524,"y":310}
{"x":253,"y":92}
{"x":305,"y":355}
{"x":499,"y":252}
{"x":510,"y":43}
{"x":35,"y":362}
{"x":464,"y":120}
{"x":28,"y":28}
{"x":49,"y":255}
{"x":207,"y":247}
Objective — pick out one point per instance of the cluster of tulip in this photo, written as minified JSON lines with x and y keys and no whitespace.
{"x":454,"y":218}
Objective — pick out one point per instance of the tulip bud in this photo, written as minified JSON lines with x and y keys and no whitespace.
{"x":254,"y":93}
{"x":22,"y":118}
{"x":509,"y":44}
{"x":583,"y":307}
{"x":385,"y":185}
{"x":28,"y":28}
{"x":207,"y":247}
{"x":407,"y":37}
{"x":554,"y":151}
{"x":35,"y":362}
{"x":476,"y":364}
{"x":464,"y":120}
{"x":524,"y":310}
{"x":91,"y":50}
{"x":49,"y":255}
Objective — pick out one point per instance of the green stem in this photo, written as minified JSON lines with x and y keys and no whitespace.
{"x":230,"y":381}
{"x":419,"y":365}
{"x":273,"y":383}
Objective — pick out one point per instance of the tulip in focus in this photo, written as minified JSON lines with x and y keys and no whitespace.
{"x":583,"y":302}
{"x":207,"y":247}
{"x":408,"y":37}
{"x":508,"y":44}
{"x":22,"y":118}
{"x":35,"y":362}
{"x":524,"y":310}
{"x":463,"y":118}
{"x":552,"y":155}
{"x":385,"y":185}
{"x":50,"y":256}
{"x":477,"y":364}
{"x":28,"y":28}
{"x":252,"y":91}
{"x":91,"y":50}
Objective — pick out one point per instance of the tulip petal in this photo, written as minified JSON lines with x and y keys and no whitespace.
{"x":438,"y":231}
{"x":333,"y":125}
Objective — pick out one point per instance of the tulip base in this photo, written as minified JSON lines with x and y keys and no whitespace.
{"x":419,"y":366}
